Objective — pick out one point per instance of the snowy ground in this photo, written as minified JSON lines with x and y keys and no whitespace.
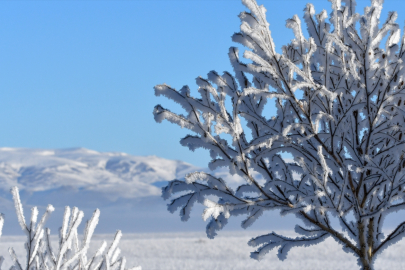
{"x":228,"y":251}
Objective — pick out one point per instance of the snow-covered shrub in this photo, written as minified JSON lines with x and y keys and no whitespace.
{"x":340,"y":101}
{"x":71,"y":253}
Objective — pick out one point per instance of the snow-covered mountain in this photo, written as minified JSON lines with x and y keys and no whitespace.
{"x":125,"y":188}
{"x":116,"y":175}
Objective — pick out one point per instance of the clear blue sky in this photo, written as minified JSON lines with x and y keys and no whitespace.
{"x":81,"y":73}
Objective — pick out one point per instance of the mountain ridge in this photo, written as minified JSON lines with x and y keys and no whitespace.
{"x":113,"y":173}
{"x":125,"y":188}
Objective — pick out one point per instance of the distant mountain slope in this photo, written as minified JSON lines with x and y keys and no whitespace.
{"x":116,"y":175}
{"x":125,"y":188}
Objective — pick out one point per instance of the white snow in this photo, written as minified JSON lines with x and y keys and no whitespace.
{"x":177,"y":251}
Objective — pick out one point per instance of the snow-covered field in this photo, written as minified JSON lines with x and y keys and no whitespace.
{"x":228,"y":251}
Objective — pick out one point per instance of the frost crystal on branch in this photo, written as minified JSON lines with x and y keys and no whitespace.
{"x":340,"y":102}
{"x":71,"y":253}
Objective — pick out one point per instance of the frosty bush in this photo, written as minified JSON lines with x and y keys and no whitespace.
{"x":340,"y":105}
{"x":71,"y":253}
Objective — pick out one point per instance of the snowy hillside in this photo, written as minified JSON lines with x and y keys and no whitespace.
{"x":125,"y":188}
{"x":117,"y":175}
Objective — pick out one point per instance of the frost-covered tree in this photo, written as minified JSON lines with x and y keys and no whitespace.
{"x":340,"y":103}
{"x":71,"y":253}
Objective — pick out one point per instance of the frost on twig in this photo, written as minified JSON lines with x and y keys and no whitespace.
{"x":71,"y":253}
{"x":339,"y":99}
{"x":270,"y":241}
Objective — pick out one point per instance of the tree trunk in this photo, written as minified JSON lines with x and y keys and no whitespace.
{"x":366,"y":264}
{"x":366,"y":244}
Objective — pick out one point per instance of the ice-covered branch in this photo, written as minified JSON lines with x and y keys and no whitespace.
{"x":71,"y":254}
{"x":270,"y":241}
